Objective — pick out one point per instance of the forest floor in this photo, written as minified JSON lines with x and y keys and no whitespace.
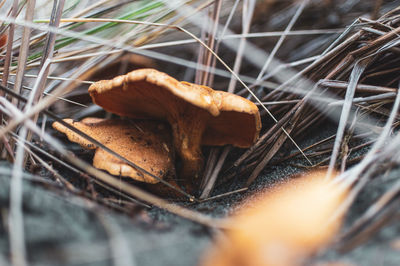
{"x":64,"y":229}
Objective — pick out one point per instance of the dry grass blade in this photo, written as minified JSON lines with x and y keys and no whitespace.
{"x":247,"y":15}
{"x":16,"y":219}
{"x":49,"y":46}
{"x":360,"y":87}
{"x":54,"y":78}
{"x":207,"y":76}
{"x":222,"y":37}
{"x":23,"y":51}
{"x":375,"y":98}
{"x":355,"y":76}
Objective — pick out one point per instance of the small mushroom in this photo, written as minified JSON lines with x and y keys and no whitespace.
{"x":198,"y":115}
{"x":148,"y":144}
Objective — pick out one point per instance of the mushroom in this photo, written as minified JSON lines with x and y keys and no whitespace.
{"x":283,"y":226}
{"x":148,"y":144}
{"x":198,"y":115}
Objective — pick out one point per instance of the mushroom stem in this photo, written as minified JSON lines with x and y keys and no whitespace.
{"x":187,"y":135}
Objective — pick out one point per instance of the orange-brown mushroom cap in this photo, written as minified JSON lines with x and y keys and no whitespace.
{"x":197,"y":114}
{"x":147,"y":144}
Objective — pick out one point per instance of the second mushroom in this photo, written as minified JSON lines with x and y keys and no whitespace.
{"x":198,"y":115}
{"x":145,"y":143}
